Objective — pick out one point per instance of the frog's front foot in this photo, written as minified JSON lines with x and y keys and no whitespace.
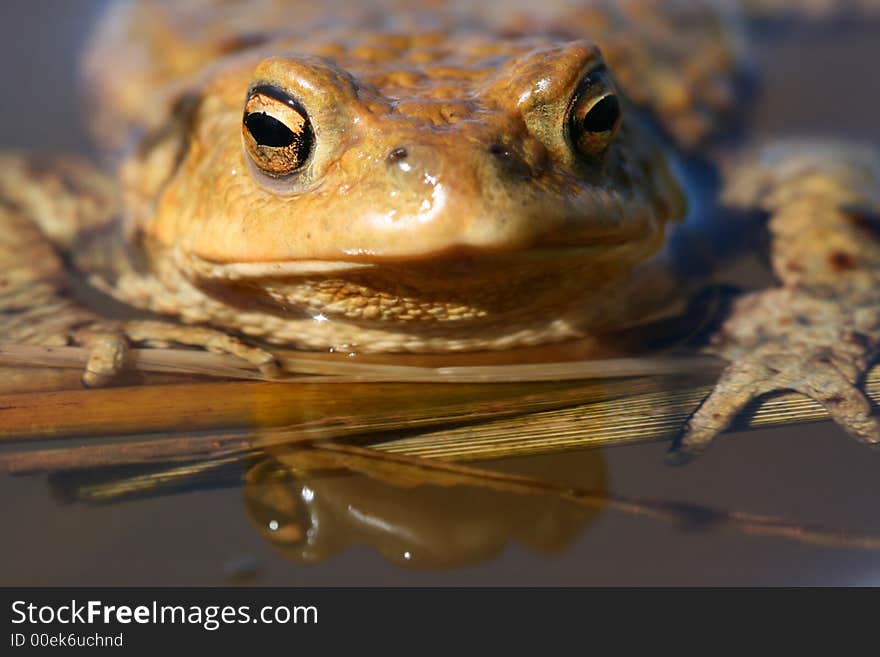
{"x":818,"y":332}
{"x":108,"y":347}
{"x":780,"y":340}
{"x":160,"y":333}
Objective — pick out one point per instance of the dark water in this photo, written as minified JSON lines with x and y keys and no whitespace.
{"x":815,"y":83}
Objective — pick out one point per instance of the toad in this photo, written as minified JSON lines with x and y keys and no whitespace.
{"x":442,"y":179}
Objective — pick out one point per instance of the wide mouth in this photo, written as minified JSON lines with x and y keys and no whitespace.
{"x":453,"y":262}
{"x":440,"y":294}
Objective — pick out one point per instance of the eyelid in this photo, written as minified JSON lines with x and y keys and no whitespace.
{"x":598,"y":78}
{"x":276,"y":93}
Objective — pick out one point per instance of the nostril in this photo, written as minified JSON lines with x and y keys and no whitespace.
{"x":397,"y":155}
{"x":510,"y":163}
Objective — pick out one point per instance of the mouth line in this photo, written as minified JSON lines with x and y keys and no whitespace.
{"x":303,"y":268}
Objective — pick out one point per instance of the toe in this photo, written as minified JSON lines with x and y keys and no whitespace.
{"x":107,"y":359}
{"x":740,"y":384}
{"x":845,"y":403}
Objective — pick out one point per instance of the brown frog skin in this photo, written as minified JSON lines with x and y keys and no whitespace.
{"x":430,"y":221}
{"x":442,"y":179}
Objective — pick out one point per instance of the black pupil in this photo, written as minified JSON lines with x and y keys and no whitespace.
{"x":603,"y":116}
{"x":268,"y":131}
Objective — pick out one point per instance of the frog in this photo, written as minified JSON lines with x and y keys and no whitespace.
{"x":382,"y":177}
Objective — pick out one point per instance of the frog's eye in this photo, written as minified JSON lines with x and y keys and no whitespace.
{"x":595,"y":115}
{"x":277,"y":132}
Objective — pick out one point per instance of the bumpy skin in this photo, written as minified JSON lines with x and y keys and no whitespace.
{"x":489,"y":232}
{"x":64,"y":201}
{"x":446,"y":204}
{"x":65,"y":208}
{"x":819,"y":331}
{"x":677,"y":56}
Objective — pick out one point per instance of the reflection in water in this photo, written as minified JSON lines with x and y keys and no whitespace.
{"x":414,"y":517}
{"x":312,"y":501}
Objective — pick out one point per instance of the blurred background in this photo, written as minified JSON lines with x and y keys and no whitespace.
{"x":816,"y":81}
